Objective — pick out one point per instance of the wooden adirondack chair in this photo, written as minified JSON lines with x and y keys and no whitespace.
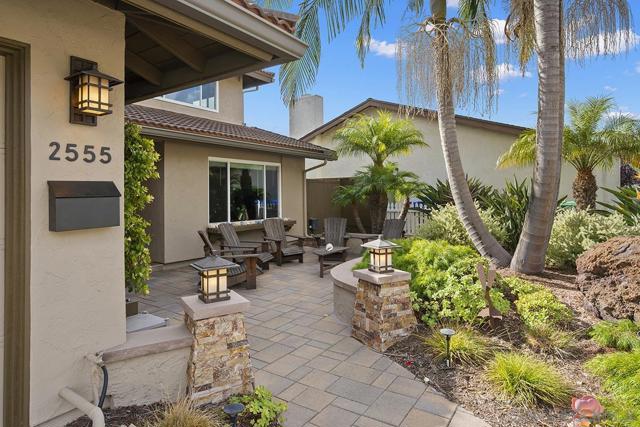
{"x":247,"y":262}
{"x":393,"y":229}
{"x":284,"y":249}
{"x":335,"y":232}
{"x":238,"y":247}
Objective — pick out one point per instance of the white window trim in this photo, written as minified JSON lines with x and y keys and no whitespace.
{"x":228,"y":162}
{"x":199,"y":107}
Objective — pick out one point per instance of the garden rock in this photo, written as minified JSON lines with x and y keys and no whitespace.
{"x":609,"y":276}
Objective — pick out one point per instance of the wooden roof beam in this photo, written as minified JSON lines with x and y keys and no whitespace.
{"x":142,"y":68}
{"x":170,"y":40}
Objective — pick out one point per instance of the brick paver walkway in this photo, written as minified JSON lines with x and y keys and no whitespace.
{"x":306,"y":357}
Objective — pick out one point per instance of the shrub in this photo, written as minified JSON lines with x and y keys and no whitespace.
{"x":260,"y":408}
{"x":620,"y":374}
{"x":527,"y":381}
{"x":444,"y":283}
{"x":434,"y":197}
{"x":542,"y":307}
{"x":184,"y":413}
{"x":621,"y":335}
{"x":444,"y":224}
{"x":547,"y":339}
{"x":140,"y":160}
{"x":519,"y":287}
{"x":575,"y":231}
{"x":466,"y":346}
{"x":626,"y":203}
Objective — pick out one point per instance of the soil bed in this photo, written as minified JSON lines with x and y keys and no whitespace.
{"x":468,"y":385}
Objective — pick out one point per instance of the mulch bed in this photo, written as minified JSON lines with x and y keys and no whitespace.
{"x":136,"y":415}
{"x":468,"y":385}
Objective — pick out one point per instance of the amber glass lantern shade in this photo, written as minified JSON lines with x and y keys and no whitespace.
{"x":380,"y":255}
{"x":90,"y":94}
{"x":213,"y":273}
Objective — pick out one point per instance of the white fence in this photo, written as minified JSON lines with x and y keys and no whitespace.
{"x":414,"y":218}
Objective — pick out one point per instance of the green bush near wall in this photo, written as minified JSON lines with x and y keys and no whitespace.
{"x":140,"y":160}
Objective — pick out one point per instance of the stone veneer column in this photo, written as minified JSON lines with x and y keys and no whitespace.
{"x":382,"y":313}
{"x":220,"y":365}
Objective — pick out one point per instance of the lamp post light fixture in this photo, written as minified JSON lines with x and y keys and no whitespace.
{"x":233,"y":410}
{"x":213,"y":272}
{"x":380,"y":255}
{"x":90,"y":92}
{"x":448,"y":333}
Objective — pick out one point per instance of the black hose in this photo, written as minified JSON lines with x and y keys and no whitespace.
{"x":105,"y":384}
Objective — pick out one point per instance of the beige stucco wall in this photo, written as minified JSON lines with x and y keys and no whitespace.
{"x":230,"y":103}
{"x":2,"y":241}
{"x":479,"y":148}
{"x":186,"y":194}
{"x":77,"y":288}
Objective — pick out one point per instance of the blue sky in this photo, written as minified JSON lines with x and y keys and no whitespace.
{"x":344,"y":83}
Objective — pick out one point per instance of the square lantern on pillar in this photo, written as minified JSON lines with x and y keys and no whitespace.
{"x":380,"y":255}
{"x":90,"y":92}
{"x":213,"y":272}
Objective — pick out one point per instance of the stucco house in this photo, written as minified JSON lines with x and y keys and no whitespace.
{"x":62,"y":114}
{"x":481,"y":142}
{"x":214,"y":168}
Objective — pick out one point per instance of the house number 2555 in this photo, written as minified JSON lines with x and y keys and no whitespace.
{"x":72,"y":153}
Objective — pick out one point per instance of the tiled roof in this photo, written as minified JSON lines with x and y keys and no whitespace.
{"x":286,"y":21}
{"x":157,"y":118}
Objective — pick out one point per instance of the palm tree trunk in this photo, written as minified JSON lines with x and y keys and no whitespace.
{"x":585,"y":189}
{"x":482,"y":239}
{"x":405,"y":208}
{"x":530,"y":253}
{"x":357,"y":219}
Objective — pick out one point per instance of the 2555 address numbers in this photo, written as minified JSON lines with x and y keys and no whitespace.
{"x":89,"y":153}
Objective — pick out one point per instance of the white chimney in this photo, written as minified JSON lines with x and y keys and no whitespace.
{"x":305,"y":115}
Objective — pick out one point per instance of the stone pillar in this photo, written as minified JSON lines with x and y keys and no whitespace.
{"x":220,"y":365}
{"x":382,"y":314}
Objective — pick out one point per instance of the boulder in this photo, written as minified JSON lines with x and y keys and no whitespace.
{"x":609,"y":276}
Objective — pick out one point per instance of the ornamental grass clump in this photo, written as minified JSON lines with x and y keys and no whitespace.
{"x":549,"y":340}
{"x":621,"y":334}
{"x":620,"y":374}
{"x":527,"y":381}
{"x":467,"y":346}
{"x":184,"y":413}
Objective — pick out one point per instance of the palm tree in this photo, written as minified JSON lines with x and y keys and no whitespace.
{"x":379,"y":138}
{"x":408,"y":185}
{"x":589,"y":28}
{"x":595,"y":139}
{"x":349,"y":195}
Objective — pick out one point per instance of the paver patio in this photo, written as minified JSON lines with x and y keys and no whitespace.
{"x":306,"y":357}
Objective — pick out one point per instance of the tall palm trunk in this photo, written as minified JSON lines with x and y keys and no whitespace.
{"x":357,"y":218}
{"x":378,"y":202}
{"x":482,"y":239}
{"x":405,"y":208}
{"x":530,"y":253}
{"x":584,"y":189}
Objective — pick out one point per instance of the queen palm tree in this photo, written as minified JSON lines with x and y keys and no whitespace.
{"x":378,"y":137}
{"x":541,"y":27}
{"x":595,"y":139}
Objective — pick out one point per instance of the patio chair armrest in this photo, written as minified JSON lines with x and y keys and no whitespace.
{"x":241,"y":247}
{"x":244,"y":256}
{"x":295,"y":236}
{"x":273,"y":239}
{"x":255,"y":242}
{"x":225,"y":253}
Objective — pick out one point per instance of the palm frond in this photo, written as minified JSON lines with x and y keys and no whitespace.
{"x":597,"y":27}
{"x":521,"y":153}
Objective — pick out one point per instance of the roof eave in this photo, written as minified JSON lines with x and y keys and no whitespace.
{"x":152,"y":131}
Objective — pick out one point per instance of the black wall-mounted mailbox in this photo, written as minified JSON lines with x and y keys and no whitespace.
{"x":77,"y":205}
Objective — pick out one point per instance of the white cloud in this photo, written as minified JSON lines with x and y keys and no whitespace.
{"x":501,"y":91}
{"x":610,"y":89}
{"x":508,"y":71}
{"x":498,"y":30}
{"x":638,"y":67}
{"x":623,"y":111}
{"x":382,"y":48}
{"x":524,"y":95}
{"x":625,"y":41}
{"x":453,"y":3}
